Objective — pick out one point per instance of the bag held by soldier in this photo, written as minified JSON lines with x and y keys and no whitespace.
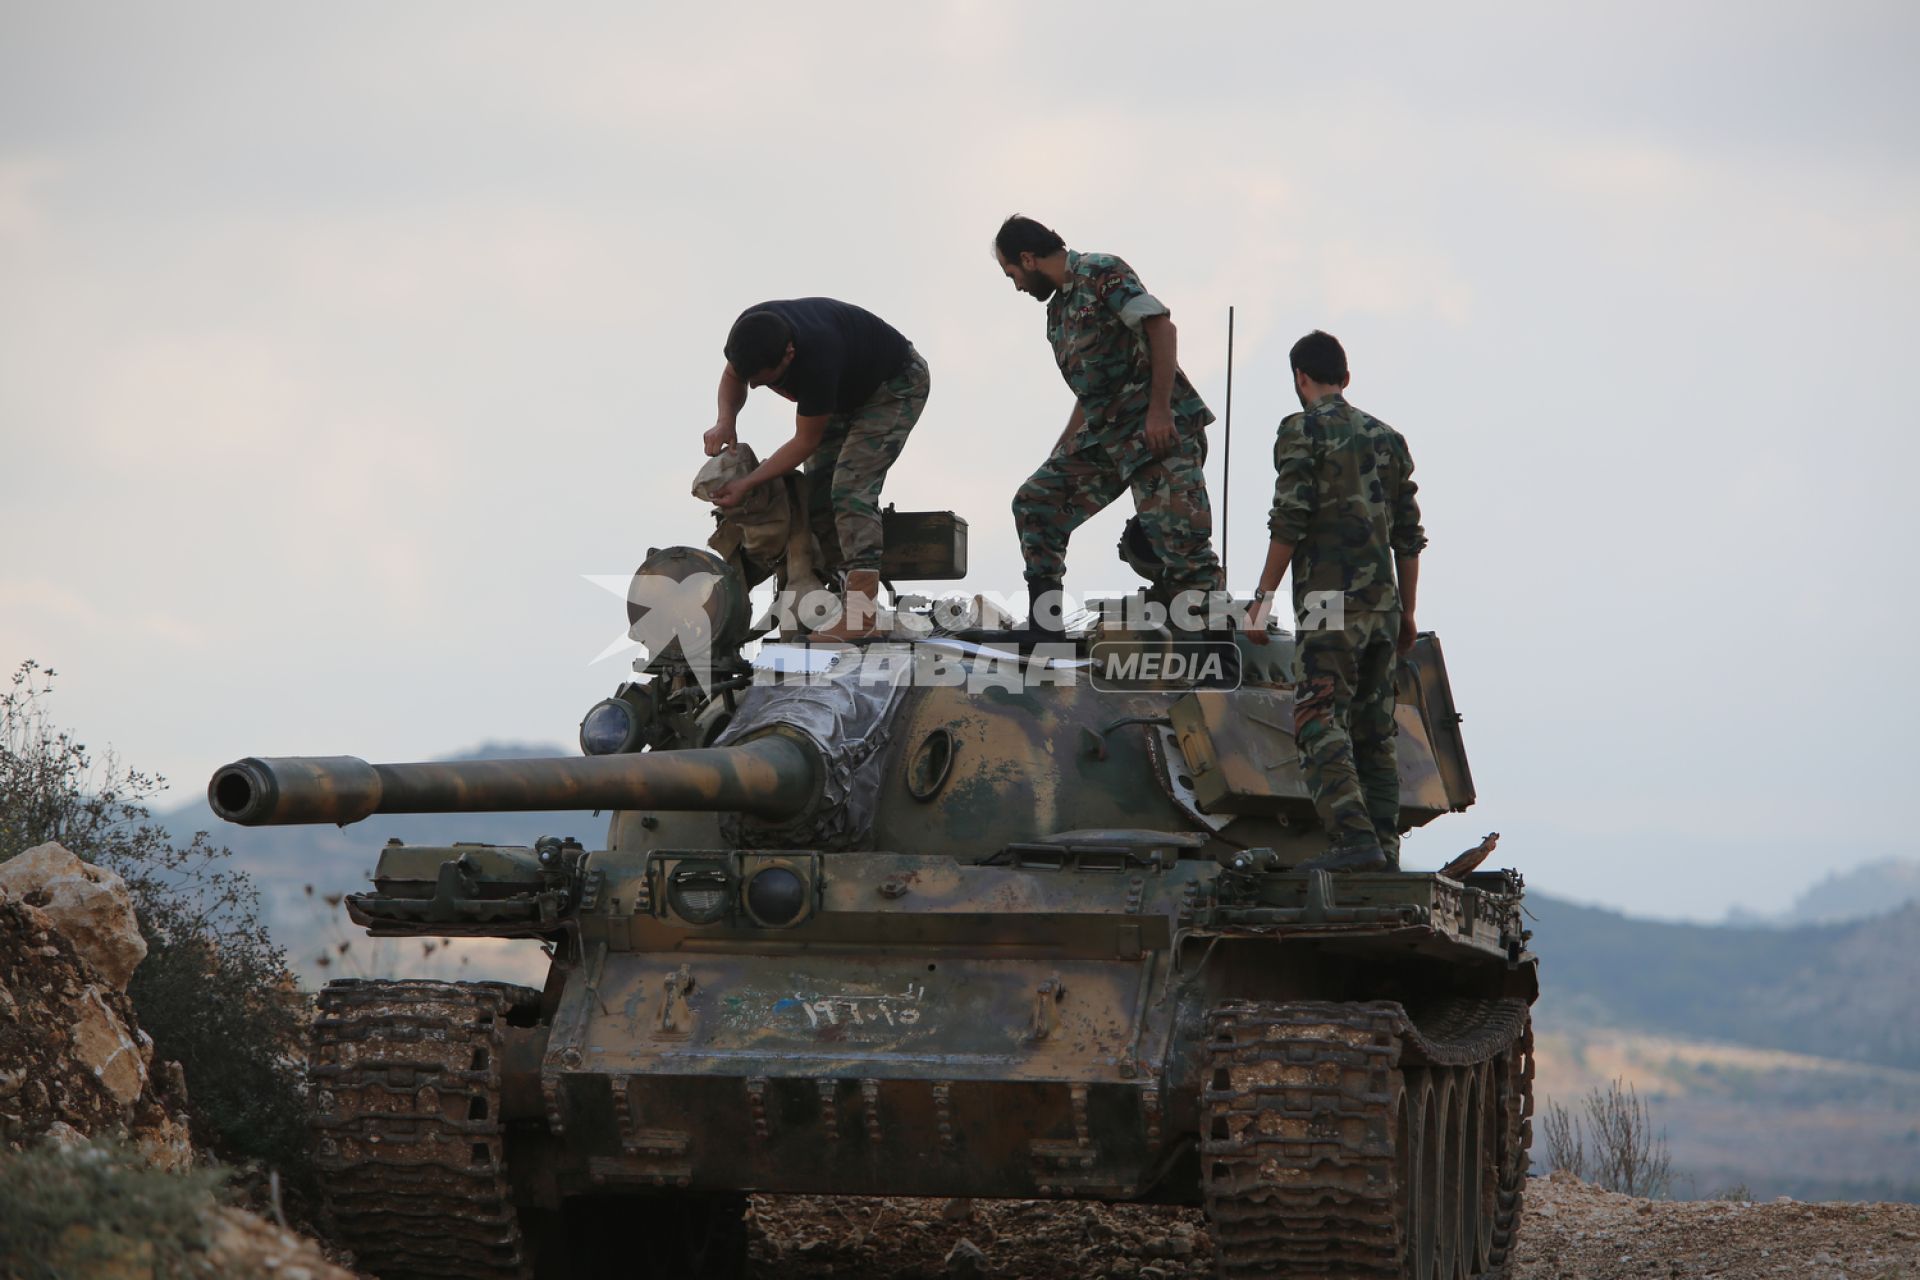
{"x":768,"y":532}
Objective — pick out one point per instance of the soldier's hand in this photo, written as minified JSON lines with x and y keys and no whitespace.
{"x":1160,"y":433}
{"x":1408,"y":631}
{"x":1255,"y":627}
{"x":719,"y":438}
{"x":732,"y":493}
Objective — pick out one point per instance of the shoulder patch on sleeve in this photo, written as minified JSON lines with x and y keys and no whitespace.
{"x":1141,"y":308}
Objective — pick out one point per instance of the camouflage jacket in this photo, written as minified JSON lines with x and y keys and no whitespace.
{"x":1343,"y":496}
{"x":1093,"y":323}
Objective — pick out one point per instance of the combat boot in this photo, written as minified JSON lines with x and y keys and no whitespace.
{"x":1038,"y":589}
{"x":1357,"y":856}
{"x":1219,"y":648}
{"x":1040,"y":628}
{"x":1218,"y":664}
{"x":1207,"y":649}
{"x":860,"y":617}
{"x":1043,"y":628}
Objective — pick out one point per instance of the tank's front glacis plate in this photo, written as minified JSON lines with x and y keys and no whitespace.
{"x":928,"y":1026}
{"x":901,"y":963}
{"x":847,"y":1013}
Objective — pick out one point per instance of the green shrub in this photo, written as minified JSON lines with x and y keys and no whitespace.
{"x":214,"y":992}
{"x":96,"y":1210}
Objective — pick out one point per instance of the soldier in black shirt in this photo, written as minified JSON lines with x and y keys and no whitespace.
{"x":858,"y":387}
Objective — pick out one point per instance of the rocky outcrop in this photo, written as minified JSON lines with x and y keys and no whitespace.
{"x":73,"y":1060}
{"x":78,"y":1210}
{"x":245,"y":1244}
{"x":104,"y":1045}
{"x":75,"y":1067}
{"x":88,"y":904}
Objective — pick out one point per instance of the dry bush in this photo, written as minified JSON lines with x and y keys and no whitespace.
{"x":1625,"y":1155}
{"x":1566,"y":1150}
{"x":1628,"y":1156}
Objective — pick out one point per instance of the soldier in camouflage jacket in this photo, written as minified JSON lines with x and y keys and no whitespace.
{"x":1137,"y":422}
{"x":1346,"y":521}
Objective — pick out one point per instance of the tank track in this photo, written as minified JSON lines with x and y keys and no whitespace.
{"x":1516,"y":1141}
{"x":405,"y":1079}
{"x":1347,"y":1140}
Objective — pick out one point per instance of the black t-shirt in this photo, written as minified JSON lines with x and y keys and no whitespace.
{"x":841,"y":354}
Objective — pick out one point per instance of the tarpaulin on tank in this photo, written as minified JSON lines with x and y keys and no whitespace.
{"x":849,"y":719}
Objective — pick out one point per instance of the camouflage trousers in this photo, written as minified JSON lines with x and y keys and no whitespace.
{"x":1343,"y":721}
{"x":1089,"y":471}
{"x":845,"y":473}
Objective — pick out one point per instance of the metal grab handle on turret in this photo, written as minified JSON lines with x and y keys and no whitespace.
{"x":772,"y":776}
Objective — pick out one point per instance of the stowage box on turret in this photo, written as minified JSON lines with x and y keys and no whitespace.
{"x":945,"y":919}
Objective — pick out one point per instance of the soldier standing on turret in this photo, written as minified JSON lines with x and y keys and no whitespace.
{"x":1345,"y":519}
{"x":858,"y":386}
{"x":1137,"y":422}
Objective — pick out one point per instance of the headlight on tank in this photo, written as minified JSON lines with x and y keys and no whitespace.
{"x":618,"y":724}
{"x":700,"y":892}
{"x":776,"y":896}
{"x":778,"y":891}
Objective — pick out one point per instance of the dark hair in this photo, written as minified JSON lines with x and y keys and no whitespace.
{"x":1320,"y":356}
{"x":758,"y":341}
{"x":1020,"y":234}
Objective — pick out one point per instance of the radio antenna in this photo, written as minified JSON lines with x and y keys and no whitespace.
{"x":1226,"y":462}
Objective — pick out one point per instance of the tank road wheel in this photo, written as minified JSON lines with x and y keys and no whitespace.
{"x":1351,"y":1140}
{"x":405,"y":1079}
{"x":1455,"y":1248}
{"x":1421,"y":1212}
{"x":1476,"y":1185}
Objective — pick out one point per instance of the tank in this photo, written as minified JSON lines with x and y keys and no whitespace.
{"x":945,"y":919}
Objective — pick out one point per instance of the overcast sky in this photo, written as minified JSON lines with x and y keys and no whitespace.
{"x":337,"y":343}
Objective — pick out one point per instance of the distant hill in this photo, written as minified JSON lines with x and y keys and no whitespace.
{"x":1782,"y":1060}
{"x":1865,"y":891}
{"x":1843,"y":991}
{"x":1872,"y":890}
{"x":1785,"y":1060}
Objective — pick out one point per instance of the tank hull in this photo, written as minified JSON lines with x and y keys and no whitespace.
{"x":1031,"y":940}
{"x":939,"y":1029}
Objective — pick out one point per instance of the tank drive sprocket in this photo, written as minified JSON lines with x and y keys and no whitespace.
{"x":407,"y":1129}
{"x":1349,"y":1139}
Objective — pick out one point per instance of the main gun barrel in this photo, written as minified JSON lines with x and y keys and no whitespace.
{"x":771,"y":777}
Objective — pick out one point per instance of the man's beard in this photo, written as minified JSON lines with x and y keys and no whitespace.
{"x":1041,"y":287}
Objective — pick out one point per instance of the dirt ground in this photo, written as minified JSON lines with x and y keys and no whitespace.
{"x":1572,"y":1232}
{"x":1577,"y":1232}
